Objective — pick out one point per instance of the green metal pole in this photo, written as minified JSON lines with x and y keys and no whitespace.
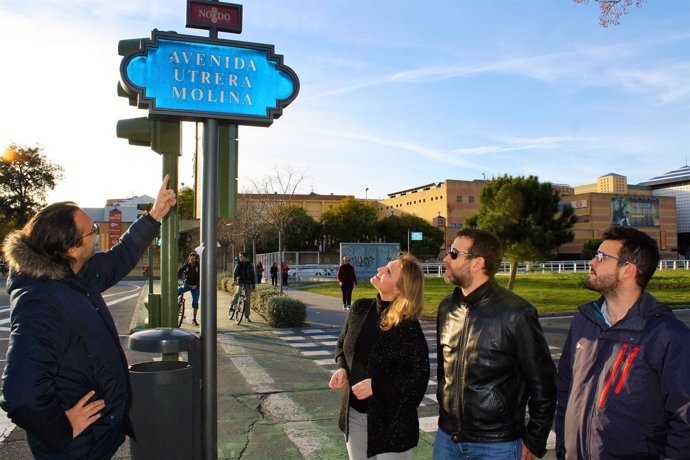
{"x":170,"y":231}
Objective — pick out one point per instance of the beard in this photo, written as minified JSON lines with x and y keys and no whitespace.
{"x":604,"y":284}
{"x":462,"y":279}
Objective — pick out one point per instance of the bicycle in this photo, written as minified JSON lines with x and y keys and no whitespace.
{"x":180,"y":308}
{"x":237,"y":313}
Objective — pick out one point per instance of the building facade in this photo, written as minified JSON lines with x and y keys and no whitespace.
{"x":609,"y":201}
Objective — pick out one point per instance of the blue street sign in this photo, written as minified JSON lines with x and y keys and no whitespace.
{"x":416,"y":236}
{"x":196,"y":78}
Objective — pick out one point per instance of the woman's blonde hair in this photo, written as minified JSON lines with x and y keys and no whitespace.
{"x":410,"y":302}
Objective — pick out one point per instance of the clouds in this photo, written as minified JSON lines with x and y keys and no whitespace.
{"x":391,"y":96}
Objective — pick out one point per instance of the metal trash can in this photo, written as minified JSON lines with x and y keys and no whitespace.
{"x":166,"y":397}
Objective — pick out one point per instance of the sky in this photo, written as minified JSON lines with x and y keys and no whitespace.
{"x":394,"y":94}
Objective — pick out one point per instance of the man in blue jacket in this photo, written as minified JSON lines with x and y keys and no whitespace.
{"x":66,"y":381}
{"x":624,"y":374}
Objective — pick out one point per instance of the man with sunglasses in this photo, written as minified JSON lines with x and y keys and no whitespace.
{"x":624,"y":373}
{"x":492,"y":361}
{"x":66,"y":381}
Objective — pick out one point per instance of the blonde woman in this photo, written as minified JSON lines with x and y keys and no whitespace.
{"x":383,"y":365}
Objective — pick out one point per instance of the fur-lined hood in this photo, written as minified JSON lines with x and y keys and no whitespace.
{"x":25,"y":261}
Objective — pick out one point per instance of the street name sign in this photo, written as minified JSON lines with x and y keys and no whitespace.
{"x":196,"y":78}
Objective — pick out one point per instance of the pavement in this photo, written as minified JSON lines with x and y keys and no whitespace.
{"x":273,"y":399}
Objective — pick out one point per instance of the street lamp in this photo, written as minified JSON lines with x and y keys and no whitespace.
{"x":366,"y":193}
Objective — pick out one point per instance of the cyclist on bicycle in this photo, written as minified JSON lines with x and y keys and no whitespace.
{"x":190,"y":271}
{"x":243,"y":276}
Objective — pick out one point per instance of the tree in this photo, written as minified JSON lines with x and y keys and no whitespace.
{"x":302,"y":232}
{"x":393,"y":229}
{"x":185,"y":203}
{"x":269,"y":203}
{"x":349,"y":221}
{"x":590,"y":248}
{"x":527,"y":218}
{"x":611,"y":11}
{"x":25,"y":177}
{"x":189,"y":240}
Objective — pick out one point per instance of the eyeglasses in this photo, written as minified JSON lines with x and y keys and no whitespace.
{"x":454,"y":253}
{"x":96,"y":230}
{"x":600,"y":256}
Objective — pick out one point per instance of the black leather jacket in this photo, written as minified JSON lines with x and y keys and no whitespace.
{"x":492,"y":359}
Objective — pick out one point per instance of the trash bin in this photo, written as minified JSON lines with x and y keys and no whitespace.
{"x":166,"y":397}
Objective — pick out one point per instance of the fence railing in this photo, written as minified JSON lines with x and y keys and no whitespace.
{"x":553,"y":266}
{"x":325,"y":272}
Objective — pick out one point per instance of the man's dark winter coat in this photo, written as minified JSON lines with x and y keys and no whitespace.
{"x":624,"y":390}
{"x":64,"y":344}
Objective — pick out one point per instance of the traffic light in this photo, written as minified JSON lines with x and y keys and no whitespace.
{"x":161,"y":135}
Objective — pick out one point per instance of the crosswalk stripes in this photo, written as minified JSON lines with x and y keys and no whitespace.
{"x":320,"y":344}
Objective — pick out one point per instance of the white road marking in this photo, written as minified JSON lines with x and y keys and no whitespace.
{"x":304,"y":434}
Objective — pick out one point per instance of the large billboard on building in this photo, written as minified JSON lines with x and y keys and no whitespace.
{"x":634,"y":212}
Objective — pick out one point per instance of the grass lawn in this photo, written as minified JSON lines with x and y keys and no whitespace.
{"x":550,"y":293}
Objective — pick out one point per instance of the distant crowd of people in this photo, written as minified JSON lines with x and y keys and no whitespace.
{"x":621,"y":389}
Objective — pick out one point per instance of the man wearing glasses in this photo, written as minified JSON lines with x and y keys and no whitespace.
{"x":624,"y":374}
{"x":492,"y":361}
{"x":66,"y":380}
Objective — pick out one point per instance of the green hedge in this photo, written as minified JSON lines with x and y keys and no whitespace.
{"x":279,"y":311}
{"x":224,"y":280}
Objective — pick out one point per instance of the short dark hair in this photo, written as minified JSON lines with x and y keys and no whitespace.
{"x":52,"y":231}
{"x":243,"y":254}
{"x":486,"y":245}
{"x":638,"y":248}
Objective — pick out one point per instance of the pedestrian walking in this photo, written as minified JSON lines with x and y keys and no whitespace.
{"x":274,"y":274}
{"x":348,"y":280}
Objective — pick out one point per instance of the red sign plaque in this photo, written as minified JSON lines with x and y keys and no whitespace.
{"x":226,"y":17}
{"x":114,"y":227}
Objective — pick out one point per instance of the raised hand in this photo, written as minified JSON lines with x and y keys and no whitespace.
{"x":165,"y":200}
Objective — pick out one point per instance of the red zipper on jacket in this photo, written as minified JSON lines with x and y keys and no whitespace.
{"x":614,"y":371}
{"x":626,"y":369}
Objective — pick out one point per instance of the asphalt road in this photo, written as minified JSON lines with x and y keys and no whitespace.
{"x":323,"y":313}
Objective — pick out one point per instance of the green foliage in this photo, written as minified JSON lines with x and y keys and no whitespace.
{"x":185,"y":211}
{"x":283,"y":311}
{"x":302,"y":232}
{"x":551,"y":293}
{"x":526,"y":216}
{"x":279,"y":311}
{"x":393,"y":229}
{"x":590,"y":248}
{"x":224,"y":281}
{"x":185,"y":203}
{"x":25,"y":177}
{"x":350,"y":221}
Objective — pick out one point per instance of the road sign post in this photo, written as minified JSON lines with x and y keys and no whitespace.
{"x":215,"y":82}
